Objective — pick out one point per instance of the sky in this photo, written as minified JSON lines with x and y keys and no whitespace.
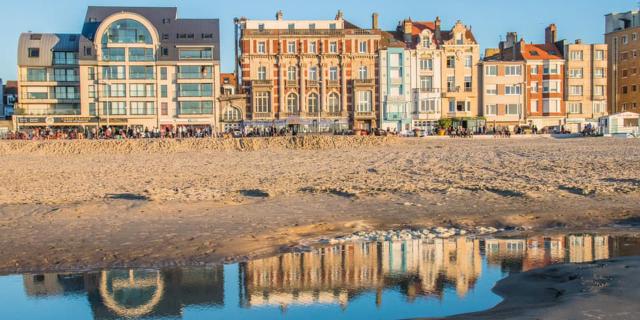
{"x":490,"y":19}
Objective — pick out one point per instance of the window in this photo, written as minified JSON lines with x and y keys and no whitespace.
{"x":92,"y":73}
{"x":195,"y":72}
{"x":364,"y":101}
{"x":575,"y":90}
{"x":551,"y":68}
{"x":114,"y":108}
{"x":312,"y":103}
{"x":576,"y":55}
{"x":363,"y":46}
{"x":598,"y":73}
{"x":599,"y":55}
{"x":363,"y":73}
{"x":394,"y":60}
{"x":598,"y":91}
{"x":630,"y":123}
{"x":428,"y":106}
{"x":114,"y":90}
{"x":625,"y":90}
{"x":575,"y":73}
{"x":468,"y":84}
{"x":163,"y":73}
{"x":262,"y":47}
{"x":426,"y":64}
{"x":426,"y":41}
{"x":261,"y":103}
{"x":551,"y":86}
{"x":196,"y":54}
{"x":37,"y":75}
{"x":534,"y":105}
{"x":35,"y":36}
{"x":491,"y":70}
{"x":513,"y":70}
{"x":551,"y":106}
{"x":93,"y":111}
{"x":468,"y":61}
{"x":34,"y":52}
{"x":141,"y":54}
{"x":333,"y":102}
{"x":65,"y":75}
{"x":463,"y":106}
{"x":261,"y":27}
{"x":512,"y":90}
{"x":142,"y":90}
{"x":164,"y":109}
{"x":142,"y":108}
{"x":452,"y":105}
{"x":534,"y":70}
{"x":291,"y":47}
{"x":491,"y":109}
{"x":66,"y":93}
{"x":332,"y":26}
{"x":126,"y":31}
{"x":292,"y":103}
{"x":492,"y":89}
{"x":65,"y":58}
{"x":291,"y":26}
{"x":459,"y":39}
{"x":88,"y":51}
{"x":313,"y":73}
{"x":292,"y":73}
{"x":575,"y":107}
{"x":634,"y":36}
{"x":92,"y":92}
{"x":534,"y":87}
{"x":165,"y":51}
{"x":312,"y":26}
{"x":196,"y":107}
{"x":141,"y":73}
{"x":163,"y":91}
{"x":426,"y":83}
{"x":451,"y":83}
{"x":333,"y":73}
{"x":512,"y":109}
{"x":312,"y":47}
{"x":113,"y":73}
{"x":333,"y":47}
{"x":599,"y":107}
{"x":451,"y":62}
{"x":195,"y":90}
{"x":113,"y":54}
{"x":231,"y":114}
{"x":262,"y":73}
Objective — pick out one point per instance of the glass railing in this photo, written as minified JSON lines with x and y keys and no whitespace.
{"x":64,"y":61}
{"x":194,"y":75}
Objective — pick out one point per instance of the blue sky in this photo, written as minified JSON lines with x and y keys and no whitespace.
{"x":490,"y":19}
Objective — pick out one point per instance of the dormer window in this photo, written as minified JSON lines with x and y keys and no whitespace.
{"x":426,"y":41}
{"x":312,"y":26}
{"x":261,"y":27}
{"x":459,"y":39}
{"x":166,"y":21}
{"x":332,"y":26}
{"x":292,"y":26}
{"x":35,"y":36}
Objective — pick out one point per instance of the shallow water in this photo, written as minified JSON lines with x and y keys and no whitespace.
{"x":377,"y":280}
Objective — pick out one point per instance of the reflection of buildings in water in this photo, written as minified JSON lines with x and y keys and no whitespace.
{"x":335,"y":274}
{"x":515,"y":255}
{"x":118,"y":294}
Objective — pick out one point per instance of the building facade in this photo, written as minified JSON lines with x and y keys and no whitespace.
{"x":623,"y":80}
{"x":503,"y":84}
{"x":315,"y":75}
{"x":129,"y":67}
{"x":395,"y":89}
{"x":585,"y":84}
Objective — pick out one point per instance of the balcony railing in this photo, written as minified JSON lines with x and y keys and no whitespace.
{"x":453,"y":89}
{"x":291,"y":113}
{"x":194,"y":75}
{"x":363,"y":82}
{"x":261,"y":83}
{"x":395,"y":116}
{"x":365,"y":114}
{"x":429,"y":90}
{"x":262,"y":115}
{"x":333,"y":83}
{"x":47,"y":111}
{"x":467,"y":89}
{"x":313,"y":83}
{"x":291,"y":83}
{"x":334,"y":114}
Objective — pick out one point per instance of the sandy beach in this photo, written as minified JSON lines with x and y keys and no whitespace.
{"x":81,"y":205}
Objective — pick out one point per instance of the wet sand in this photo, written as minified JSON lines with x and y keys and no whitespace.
{"x":70,"y":207}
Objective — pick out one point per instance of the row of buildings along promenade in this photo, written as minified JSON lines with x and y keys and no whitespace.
{"x":148,"y":68}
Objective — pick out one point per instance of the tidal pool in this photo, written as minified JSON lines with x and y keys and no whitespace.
{"x":362,"y":280}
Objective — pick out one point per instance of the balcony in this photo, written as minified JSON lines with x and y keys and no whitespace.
{"x":47,"y":111}
{"x":291,"y":114}
{"x":363,"y":82}
{"x":262,"y":115}
{"x":291,"y":83}
{"x":394,"y":116}
{"x":261,"y":83}
{"x":468,"y":89}
{"x":312,"y":114}
{"x":313,"y":83}
{"x":194,"y":75}
{"x":333,"y":83}
{"x":453,"y":89}
{"x":365,"y":114}
{"x":338,"y":114}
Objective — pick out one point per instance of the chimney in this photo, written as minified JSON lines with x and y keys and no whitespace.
{"x":374,"y":21}
{"x":512,"y":39}
{"x":579,"y":41}
{"x":407,"y":30}
{"x":437,"y":25}
{"x":551,"y":34}
{"x":279,"y":15}
{"x":339,"y":15}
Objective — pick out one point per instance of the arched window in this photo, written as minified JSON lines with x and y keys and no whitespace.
{"x":292,"y":103}
{"x":426,"y":40}
{"x":363,"y":73}
{"x":292,"y":73}
{"x":312,"y":103}
{"x":231,"y":114}
{"x":126,"y":31}
{"x":333,"y":103}
{"x":262,"y":73}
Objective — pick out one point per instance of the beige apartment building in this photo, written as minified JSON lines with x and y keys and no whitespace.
{"x":585,"y":84}
{"x":129,"y":67}
{"x":503,"y":85}
{"x":312,"y":75}
{"x":623,"y":81}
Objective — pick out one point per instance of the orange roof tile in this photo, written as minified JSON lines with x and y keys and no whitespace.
{"x":541,"y":52}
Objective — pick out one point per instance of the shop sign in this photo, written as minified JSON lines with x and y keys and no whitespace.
{"x":32,"y":119}
{"x":71,"y":120}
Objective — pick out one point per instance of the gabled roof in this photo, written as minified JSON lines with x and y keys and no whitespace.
{"x":392,"y":39}
{"x":419,"y":26}
{"x":545,"y":51}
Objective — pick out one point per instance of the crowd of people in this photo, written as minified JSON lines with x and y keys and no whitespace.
{"x":109,"y":133}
